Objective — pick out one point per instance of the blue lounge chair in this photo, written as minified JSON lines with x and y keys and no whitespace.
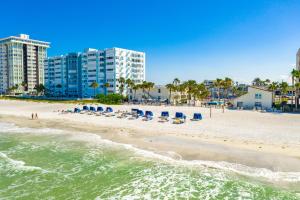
{"x":165,"y":114}
{"x":85,"y":108}
{"x":100,"y":109}
{"x":77,"y":110}
{"x":92,"y":109}
{"x":140,"y":113}
{"x":148,"y":115}
{"x":109,"y":110}
{"x":197,"y":117}
{"x":179,"y":118}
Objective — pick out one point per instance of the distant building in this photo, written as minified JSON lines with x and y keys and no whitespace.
{"x":254,"y":98}
{"x":72,"y":75}
{"x":298,"y":60}
{"x":21,"y":63}
{"x":158,"y":93}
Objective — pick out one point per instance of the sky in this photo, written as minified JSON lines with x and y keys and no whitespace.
{"x":191,"y":39}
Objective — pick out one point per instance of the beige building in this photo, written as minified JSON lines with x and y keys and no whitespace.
{"x":159,"y":93}
{"x":255,"y":98}
{"x":298,"y":60}
{"x":21,"y":63}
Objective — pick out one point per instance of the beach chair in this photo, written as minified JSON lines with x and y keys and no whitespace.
{"x":85,"y":108}
{"x":148,"y":116}
{"x":136,"y":113}
{"x":92,"y":110}
{"x":77,"y":110}
{"x":109,"y":112}
{"x":164,"y":117}
{"x":179,"y":118}
{"x":197,"y":117}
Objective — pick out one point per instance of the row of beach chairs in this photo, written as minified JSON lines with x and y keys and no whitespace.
{"x":135,"y":113}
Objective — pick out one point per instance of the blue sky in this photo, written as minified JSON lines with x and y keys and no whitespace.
{"x":187,"y":39}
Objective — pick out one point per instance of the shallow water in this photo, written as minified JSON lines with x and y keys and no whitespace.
{"x":54,"y":164}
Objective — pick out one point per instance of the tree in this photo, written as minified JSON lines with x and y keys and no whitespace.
{"x":122,"y":82}
{"x":143,"y":86}
{"x":190,"y":86}
{"x":227,"y":84}
{"x":170,"y":87}
{"x":40,"y":88}
{"x":176,"y":81}
{"x":218,"y":83}
{"x":181,"y":88}
{"x":24,"y":85}
{"x":295,"y":74}
{"x":94,"y":85}
{"x":149,"y":86}
{"x":106,"y":85}
{"x":297,"y":89}
{"x":257,"y":82}
{"x":273,"y":86}
{"x":283,"y":88}
{"x":135,"y":88}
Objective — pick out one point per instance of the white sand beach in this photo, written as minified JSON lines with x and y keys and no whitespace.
{"x":266,"y":140}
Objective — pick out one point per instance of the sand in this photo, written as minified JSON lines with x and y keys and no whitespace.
{"x":264,"y":140}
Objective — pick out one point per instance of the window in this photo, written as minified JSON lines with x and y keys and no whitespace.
{"x":159,"y":90}
{"x":258,"y":96}
{"x":258,"y":104}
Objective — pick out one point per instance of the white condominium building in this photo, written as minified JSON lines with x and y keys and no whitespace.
{"x":298,"y":60}
{"x":72,"y":75}
{"x":21,"y":63}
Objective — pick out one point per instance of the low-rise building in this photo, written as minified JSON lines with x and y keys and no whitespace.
{"x":255,"y":97}
{"x":158,"y":93}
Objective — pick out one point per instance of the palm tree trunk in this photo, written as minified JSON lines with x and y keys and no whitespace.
{"x":293,"y":84}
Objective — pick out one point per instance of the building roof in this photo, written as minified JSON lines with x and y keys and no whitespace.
{"x":260,"y":88}
{"x":24,"y":39}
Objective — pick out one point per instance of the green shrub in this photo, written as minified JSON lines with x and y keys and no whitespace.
{"x":110,"y":98}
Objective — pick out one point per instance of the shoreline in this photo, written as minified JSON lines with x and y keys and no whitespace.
{"x":178,"y":142}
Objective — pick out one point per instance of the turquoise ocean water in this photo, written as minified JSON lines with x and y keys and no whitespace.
{"x":54,"y":164}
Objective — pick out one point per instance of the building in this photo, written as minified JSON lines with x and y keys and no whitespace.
{"x":298,"y":60}
{"x":255,"y":98}
{"x":21,"y":63}
{"x":158,"y":93}
{"x":72,"y":75}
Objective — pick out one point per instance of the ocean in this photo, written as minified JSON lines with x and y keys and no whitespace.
{"x":50,"y":163}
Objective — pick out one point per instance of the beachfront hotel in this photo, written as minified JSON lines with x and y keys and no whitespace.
{"x":21,"y":63}
{"x":71,"y":75}
{"x":298,"y":60}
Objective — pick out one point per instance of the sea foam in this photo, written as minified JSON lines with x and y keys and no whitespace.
{"x":97,"y":139}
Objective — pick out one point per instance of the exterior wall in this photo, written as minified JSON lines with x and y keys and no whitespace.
{"x":157,"y":93}
{"x":254,"y":95}
{"x":101,"y":66}
{"x":21,"y":61}
{"x":298,"y":60}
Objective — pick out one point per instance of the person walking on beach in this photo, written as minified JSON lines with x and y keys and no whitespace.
{"x":36,"y":116}
{"x":32,"y":115}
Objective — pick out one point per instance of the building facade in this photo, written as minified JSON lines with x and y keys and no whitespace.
{"x":259,"y":98}
{"x":298,"y":60}
{"x":21,"y":63}
{"x":72,"y":75}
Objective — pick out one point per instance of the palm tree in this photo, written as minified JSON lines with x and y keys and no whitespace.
{"x":284,"y":88}
{"x":170,"y":87}
{"x":149,"y":86}
{"x":106,"y":85}
{"x":39,"y":88}
{"x":94,"y":85}
{"x":190,"y":86}
{"x":24,"y":85}
{"x":135,"y":88}
{"x":122,"y":82}
{"x":257,"y":82}
{"x":143,"y":86}
{"x":227,"y":84}
{"x":181,"y":88}
{"x":295,"y":74}
{"x":297,"y":88}
{"x":218,"y":83}
{"x":273,"y":86}
{"x":176,"y":81}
